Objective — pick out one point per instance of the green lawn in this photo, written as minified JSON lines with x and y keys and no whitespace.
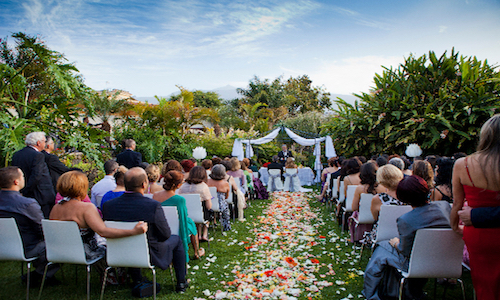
{"x":228,"y":254}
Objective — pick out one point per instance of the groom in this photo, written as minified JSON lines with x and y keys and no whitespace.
{"x":284,"y":154}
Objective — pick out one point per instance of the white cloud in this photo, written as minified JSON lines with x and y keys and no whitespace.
{"x":442,"y":29}
{"x":352,"y":75}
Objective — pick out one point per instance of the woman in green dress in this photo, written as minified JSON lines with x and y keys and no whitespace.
{"x":172,"y":181}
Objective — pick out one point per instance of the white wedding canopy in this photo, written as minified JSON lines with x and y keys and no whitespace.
{"x":329,"y":149}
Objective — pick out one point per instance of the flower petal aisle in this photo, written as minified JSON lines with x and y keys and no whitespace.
{"x":280,"y":260}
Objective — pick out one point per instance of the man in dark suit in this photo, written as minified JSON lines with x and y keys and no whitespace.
{"x":132,"y":206}
{"x":284,"y":154}
{"x":129,"y":158}
{"x":56,"y":167}
{"x":31,"y":161}
{"x":275,"y":165}
{"x":28,"y":215}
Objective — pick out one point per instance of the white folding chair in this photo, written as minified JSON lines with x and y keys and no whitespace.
{"x":436,"y":253}
{"x":131,"y":251}
{"x":98,"y":200}
{"x":215,"y":203}
{"x":172,"y":217}
{"x":341,"y":192}
{"x":365,"y":215}
{"x":348,"y":202}
{"x":291,"y":178}
{"x":328,"y":192}
{"x":63,"y":244}
{"x":195,"y":210}
{"x":11,"y":247}
{"x":274,"y":176}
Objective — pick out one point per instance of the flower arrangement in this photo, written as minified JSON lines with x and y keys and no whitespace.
{"x":199,"y":153}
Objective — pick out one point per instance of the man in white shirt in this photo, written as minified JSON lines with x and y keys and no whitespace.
{"x":106,"y":184}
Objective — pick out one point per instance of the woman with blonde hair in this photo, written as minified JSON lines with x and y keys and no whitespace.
{"x":153,"y":173}
{"x":237,"y":172}
{"x":388,"y":178}
{"x":476,"y":179}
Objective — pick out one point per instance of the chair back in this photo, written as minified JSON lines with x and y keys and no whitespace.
{"x":335,"y":188}
{"x":172,"y":217}
{"x":215,"y":200}
{"x":11,"y":244}
{"x":194,"y":207}
{"x":229,"y":198}
{"x":341,"y":192}
{"x":291,"y":171}
{"x":365,"y":213}
{"x":238,"y":183}
{"x":436,"y":253}
{"x":130,"y":251}
{"x":327,"y":180}
{"x":98,"y":200}
{"x":350,"y":197}
{"x":387,"y":225}
{"x":63,"y":242}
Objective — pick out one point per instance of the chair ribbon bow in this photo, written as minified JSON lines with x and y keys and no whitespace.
{"x":291,"y":188}
{"x":273,"y":181}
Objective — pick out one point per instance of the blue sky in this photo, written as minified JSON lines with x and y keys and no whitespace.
{"x":149,"y":47}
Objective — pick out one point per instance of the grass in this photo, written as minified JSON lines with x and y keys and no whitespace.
{"x":227,"y":255}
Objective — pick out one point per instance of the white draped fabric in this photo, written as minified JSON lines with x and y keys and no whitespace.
{"x":329,"y":149}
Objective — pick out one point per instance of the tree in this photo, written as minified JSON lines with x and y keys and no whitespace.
{"x":296,"y":94}
{"x":439,"y":103}
{"x":40,"y":91}
{"x":202,"y":99}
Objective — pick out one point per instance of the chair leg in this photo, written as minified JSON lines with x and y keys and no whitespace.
{"x":43,"y":280}
{"x":88,"y":282}
{"x":343,"y":220}
{"x":172,"y":276}
{"x":401,"y":288}
{"x":463,"y":289}
{"x":154,"y":283}
{"x":104,"y":281}
{"x":27,"y":280}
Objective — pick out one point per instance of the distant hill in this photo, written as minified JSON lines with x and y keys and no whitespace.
{"x":228,"y":92}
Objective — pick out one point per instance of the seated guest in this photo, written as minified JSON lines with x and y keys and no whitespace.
{"x":28,"y":215}
{"x":353,"y":167}
{"x":368,"y":175}
{"x":442,"y":190}
{"x":388,"y":177}
{"x":248,"y":175}
{"x":196,"y":184}
{"x":106,"y":184}
{"x":132,"y":206}
{"x":187,"y":228}
{"x":424,"y":170}
{"x":228,"y":165}
{"x":395,"y":253}
{"x":153,"y":175}
{"x":73,"y":186}
{"x":276,"y":165}
{"x":187,"y":165}
{"x":218,"y":180}
{"x":237,"y":172}
{"x":207,"y":164}
{"x":170,"y":166}
{"x":120,"y":185}
{"x":239,"y":201}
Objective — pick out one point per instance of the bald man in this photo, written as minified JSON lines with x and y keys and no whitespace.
{"x":133,"y":206}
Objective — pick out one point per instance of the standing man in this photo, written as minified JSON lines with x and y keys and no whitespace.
{"x":56,"y":167}
{"x":106,"y":184}
{"x":284,"y":154}
{"x":129,"y":158}
{"x":31,"y":161}
{"x":132,"y":206}
{"x":28,"y":215}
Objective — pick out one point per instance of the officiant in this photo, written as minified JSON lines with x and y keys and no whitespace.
{"x":284,"y":154}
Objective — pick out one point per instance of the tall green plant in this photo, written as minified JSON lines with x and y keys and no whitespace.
{"x":437,"y":102}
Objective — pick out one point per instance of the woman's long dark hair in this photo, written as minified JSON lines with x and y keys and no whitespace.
{"x":197,"y":175}
{"x":368,"y":175}
{"x":444,"y":173}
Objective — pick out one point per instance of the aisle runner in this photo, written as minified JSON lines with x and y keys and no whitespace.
{"x":280,"y":263}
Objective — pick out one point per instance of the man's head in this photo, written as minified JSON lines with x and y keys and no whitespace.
{"x":11,"y":178}
{"x":49,"y":145}
{"x":36,"y":140}
{"x":136,"y":180}
{"x":129,"y":144}
{"x":283,"y":148}
{"x":110,"y":167}
{"x":275,"y":158}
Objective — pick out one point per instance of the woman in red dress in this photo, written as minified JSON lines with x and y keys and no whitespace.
{"x":476,"y":179}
